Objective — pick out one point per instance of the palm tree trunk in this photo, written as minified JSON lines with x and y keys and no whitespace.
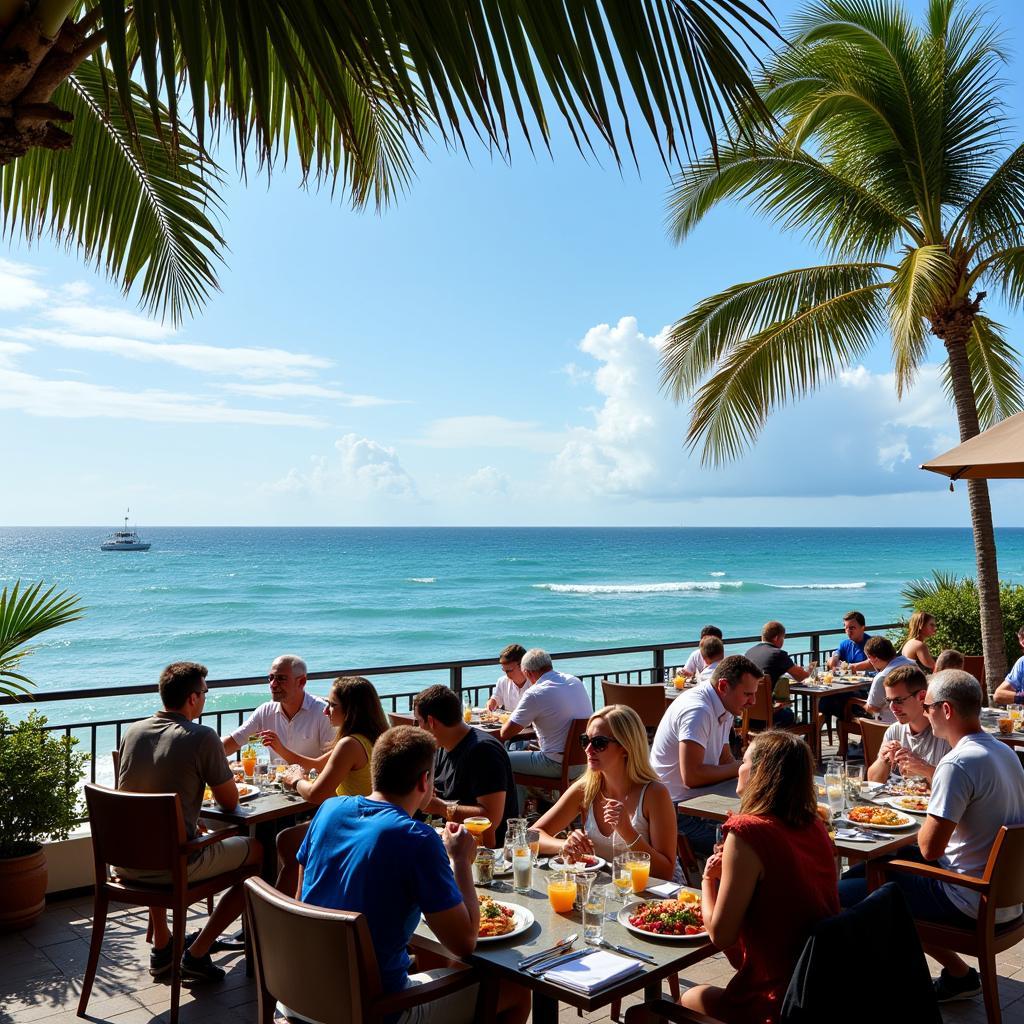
{"x":955,"y":334}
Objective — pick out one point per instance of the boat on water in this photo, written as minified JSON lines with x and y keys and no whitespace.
{"x":125,"y":540}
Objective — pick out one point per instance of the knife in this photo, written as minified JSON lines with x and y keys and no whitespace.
{"x":546,"y":954}
{"x":626,"y":951}
{"x":538,"y":969}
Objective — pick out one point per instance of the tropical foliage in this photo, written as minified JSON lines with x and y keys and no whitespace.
{"x":892,"y":158}
{"x":350,"y":90}
{"x":953,"y":601}
{"x":24,"y":614}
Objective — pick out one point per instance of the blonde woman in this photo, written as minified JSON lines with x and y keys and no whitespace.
{"x":355,"y":711}
{"x":622,"y":804}
{"x":921,"y":627}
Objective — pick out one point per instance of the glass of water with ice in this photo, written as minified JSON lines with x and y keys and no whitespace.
{"x":594,"y":906}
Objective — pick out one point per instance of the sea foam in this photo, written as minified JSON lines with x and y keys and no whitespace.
{"x":422,"y":579}
{"x":634,"y":588}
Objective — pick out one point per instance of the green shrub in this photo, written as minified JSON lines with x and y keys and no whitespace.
{"x":953,"y":601}
{"x":39,"y":776}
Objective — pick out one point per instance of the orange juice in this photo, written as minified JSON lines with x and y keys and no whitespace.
{"x":623,"y":882}
{"x":477,"y":826}
{"x":249,"y":761}
{"x":467,"y":714}
{"x":679,"y":682}
{"x":562,"y":895}
{"x":639,"y":872}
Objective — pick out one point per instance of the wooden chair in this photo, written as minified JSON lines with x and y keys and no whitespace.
{"x":849,"y":724}
{"x":975,"y":664}
{"x":1001,"y":885}
{"x":146,"y":832}
{"x":401,"y":718}
{"x":647,"y":701}
{"x":321,"y":963}
{"x":872,"y":733}
{"x":759,"y":717}
{"x":572,"y":756}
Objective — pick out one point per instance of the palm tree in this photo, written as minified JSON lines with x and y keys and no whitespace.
{"x":106,"y":105}
{"x":891,"y":158}
{"x":24,"y":614}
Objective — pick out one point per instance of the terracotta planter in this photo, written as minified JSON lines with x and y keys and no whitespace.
{"x":22,"y":889}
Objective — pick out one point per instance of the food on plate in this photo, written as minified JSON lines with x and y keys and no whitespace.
{"x":909,"y":787}
{"x":495,"y":918}
{"x":913,"y":803}
{"x":585,"y":861}
{"x":877,"y":816}
{"x":669,"y":917}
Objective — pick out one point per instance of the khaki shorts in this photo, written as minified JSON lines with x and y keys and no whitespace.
{"x":217,"y":859}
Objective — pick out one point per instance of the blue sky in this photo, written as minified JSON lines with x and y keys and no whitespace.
{"x":483,"y":353}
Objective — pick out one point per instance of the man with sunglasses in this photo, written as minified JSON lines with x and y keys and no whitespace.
{"x":909,"y":744}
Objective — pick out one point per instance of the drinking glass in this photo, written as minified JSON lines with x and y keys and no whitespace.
{"x":450,"y":807}
{"x":515,"y":834}
{"x":477,"y":826}
{"x":561,"y":891}
{"x":584,"y":880}
{"x":593,"y":913}
{"x":834,"y":789}
{"x":622,"y":878}
{"x":261,"y":776}
{"x":855,"y":781}
{"x":533,"y":841}
{"x":639,"y":867}
{"x":522,"y":867}
{"x":467,"y":708}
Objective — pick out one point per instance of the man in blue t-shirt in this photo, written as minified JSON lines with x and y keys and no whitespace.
{"x":851,"y":650}
{"x":1011,"y":689}
{"x":370,"y":855}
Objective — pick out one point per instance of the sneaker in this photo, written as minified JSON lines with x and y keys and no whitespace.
{"x":200,"y":968}
{"x":948,"y":988}
{"x":160,"y":959}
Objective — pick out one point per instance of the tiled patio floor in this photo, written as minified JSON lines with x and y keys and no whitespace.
{"x":41,"y":971}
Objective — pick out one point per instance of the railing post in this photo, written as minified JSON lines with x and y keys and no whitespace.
{"x":659,"y":665}
{"x":816,"y":648}
{"x":455,"y":678}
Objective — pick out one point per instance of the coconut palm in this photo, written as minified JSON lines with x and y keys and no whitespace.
{"x":106,"y":106}
{"x":24,"y":614}
{"x":892,"y":158}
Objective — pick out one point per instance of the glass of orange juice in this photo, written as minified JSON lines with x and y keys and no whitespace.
{"x":477,"y":827}
{"x":639,"y":867}
{"x":249,"y":760}
{"x":561,"y":891}
{"x":622,"y":878}
{"x":467,"y":710}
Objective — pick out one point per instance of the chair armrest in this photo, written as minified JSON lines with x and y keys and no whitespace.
{"x":201,"y":842}
{"x":912,"y":867}
{"x":853,"y":702}
{"x":663,"y":1009}
{"x":399,"y":1001}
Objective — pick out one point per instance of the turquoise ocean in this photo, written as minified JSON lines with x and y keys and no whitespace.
{"x":234,"y":598}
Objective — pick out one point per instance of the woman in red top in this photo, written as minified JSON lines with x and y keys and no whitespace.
{"x":771,"y":882}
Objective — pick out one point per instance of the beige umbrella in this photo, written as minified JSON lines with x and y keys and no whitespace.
{"x":996,"y":454}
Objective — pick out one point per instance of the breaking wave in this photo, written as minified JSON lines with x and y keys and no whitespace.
{"x":421,"y":579}
{"x":634,"y":588}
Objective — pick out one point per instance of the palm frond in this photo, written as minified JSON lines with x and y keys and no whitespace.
{"x":995,"y":373}
{"x":24,"y":614}
{"x":704,"y":337}
{"x":996,"y":214}
{"x":456,"y":64}
{"x":778,"y":364}
{"x":133,"y":205}
{"x":1006,"y":268}
{"x":923,"y":278}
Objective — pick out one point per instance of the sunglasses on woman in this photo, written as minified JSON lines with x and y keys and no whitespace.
{"x":599,"y":743}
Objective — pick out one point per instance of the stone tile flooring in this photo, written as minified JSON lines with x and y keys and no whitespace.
{"x":41,"y":971}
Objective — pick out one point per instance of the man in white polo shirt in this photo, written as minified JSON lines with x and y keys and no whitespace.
{"x":294,"y":720}
{"x":691,"y":747}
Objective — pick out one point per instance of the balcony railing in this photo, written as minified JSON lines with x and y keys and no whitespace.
{"x":662,"y":660}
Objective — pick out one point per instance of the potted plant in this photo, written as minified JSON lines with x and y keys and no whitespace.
{"x":39,"y":771}
{"x":39,"y":799}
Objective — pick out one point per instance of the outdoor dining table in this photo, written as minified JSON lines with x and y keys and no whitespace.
{"x":269,"y":806}
{"x":491,"y":728}
{"x":499,"y":961}
{"x":810,"y":695}
{"x":717,"y":802}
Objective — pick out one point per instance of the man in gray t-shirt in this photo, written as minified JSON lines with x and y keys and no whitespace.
{"x":909,"y":747}
{"x":170,"y":752}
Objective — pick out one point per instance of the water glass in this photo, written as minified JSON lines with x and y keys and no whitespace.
{"x":593,"y":913}
{"x":522,"y":869}
{"x":584,"y":883}
{"x":533,"y":841}
{"x":835,"y":789}
{"x":622,"y":877}
{"x":261,"y":776}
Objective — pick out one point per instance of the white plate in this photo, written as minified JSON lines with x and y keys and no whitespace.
{"x":523,"y":919}
{"x":623,"y":918}
{"x":894,"y":803}
{"x":882,"y":828}
{"x":599,"y":862}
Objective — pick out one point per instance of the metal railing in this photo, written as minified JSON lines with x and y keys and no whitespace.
{"x":98,"y":738}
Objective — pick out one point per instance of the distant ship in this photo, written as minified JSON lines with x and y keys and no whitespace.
{"x":125,"y":540}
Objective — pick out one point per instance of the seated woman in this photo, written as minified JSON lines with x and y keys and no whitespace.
{"x":622,"y":804}
{"x":355,"y":711}
{"x":773,"y":879}
{"x":919,"y":629}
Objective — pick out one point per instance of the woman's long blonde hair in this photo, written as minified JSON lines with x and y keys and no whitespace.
{"x":627,"y":729}
{"x":917,"y":623}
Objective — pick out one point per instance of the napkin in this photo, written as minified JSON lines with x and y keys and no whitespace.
{"x":595,"y":971}
{"x":666,"y":890}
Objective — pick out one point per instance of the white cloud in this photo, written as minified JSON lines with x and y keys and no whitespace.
{"x":214,"y":359}
{"x":10,"y":349}
{"x":890,"y":454}
{"x":488,"y":482}
{"x":100,"y":320}
{"x":18,"y":290}
{"x":69,"y":399}
{"x":364,"y":469}
{"x":490,"y":432}
{"x":288,"y":389}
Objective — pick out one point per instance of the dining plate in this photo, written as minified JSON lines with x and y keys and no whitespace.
{"x":591,"y":863}
{"x":902,"y":803}
{"x":874,"y":827}
{"x":630,"y":909}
